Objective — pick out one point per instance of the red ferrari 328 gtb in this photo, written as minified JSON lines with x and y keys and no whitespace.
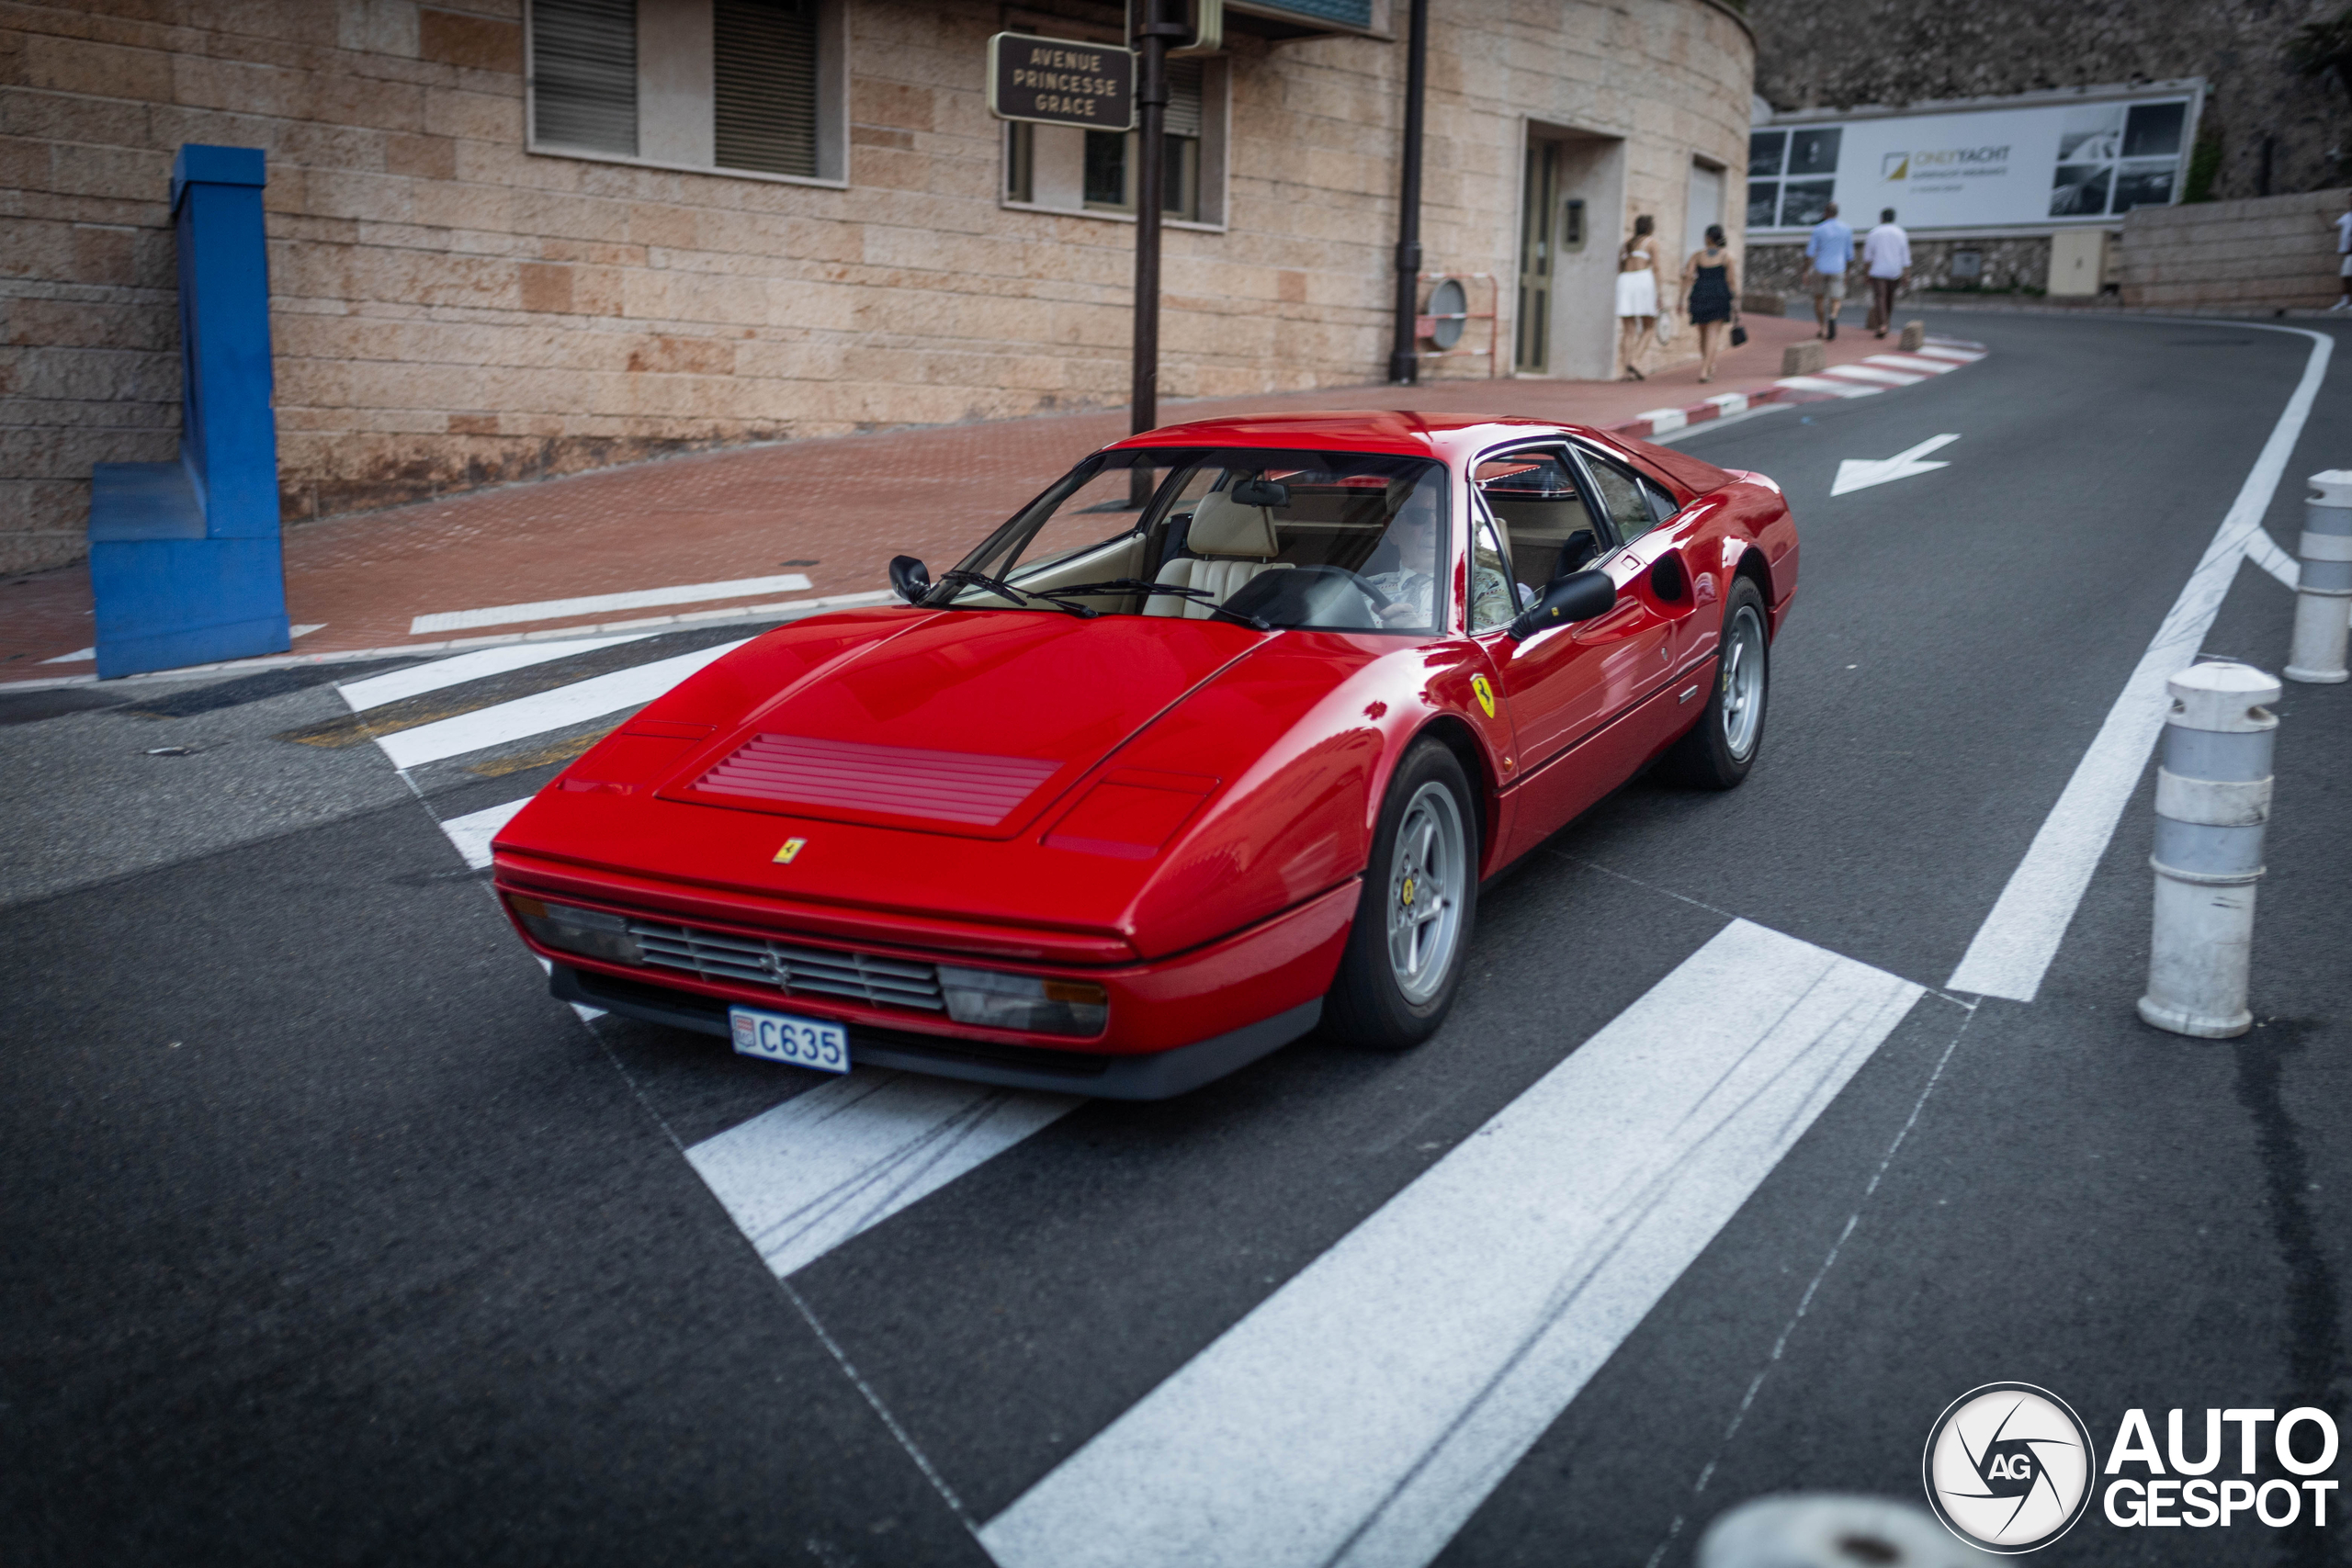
{"x":1214,"y":740}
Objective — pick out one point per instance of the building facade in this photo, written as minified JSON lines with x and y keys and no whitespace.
{"x":517,"y":238}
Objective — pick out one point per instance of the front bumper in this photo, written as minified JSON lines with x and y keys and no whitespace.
{"x":1158,"y":1076}
{"x":1172,"y":1024}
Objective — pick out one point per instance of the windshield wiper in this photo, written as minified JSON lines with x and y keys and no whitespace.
{"x":1005,"y":589}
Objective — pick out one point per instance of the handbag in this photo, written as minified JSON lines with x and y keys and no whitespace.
{"x":1664,"y":328}
{"x":1738,"y":334}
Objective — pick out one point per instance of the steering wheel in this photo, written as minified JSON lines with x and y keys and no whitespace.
{"x":1375,"y":600}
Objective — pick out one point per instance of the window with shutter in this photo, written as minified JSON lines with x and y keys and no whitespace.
{"x":1065,"y":168}
{"x":583,"y":74}
{"x":764,"y":84}
{"x":753,"y":88}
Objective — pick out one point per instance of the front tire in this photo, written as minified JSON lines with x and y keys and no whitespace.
{"x":1408,"y":947}
{"x":1723,"y":745}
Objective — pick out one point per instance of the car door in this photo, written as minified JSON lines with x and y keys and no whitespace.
{"x":1654,"y":597}
{"x":1564,"y":685}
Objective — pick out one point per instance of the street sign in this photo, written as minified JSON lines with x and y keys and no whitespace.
{"x":1052,"y":81}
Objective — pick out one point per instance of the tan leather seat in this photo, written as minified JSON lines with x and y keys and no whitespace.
{"x":1235,"y":544}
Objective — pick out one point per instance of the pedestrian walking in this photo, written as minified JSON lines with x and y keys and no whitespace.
{"x":1636,"y":296}
{"x":1710,"y":298}
{"x":1886,"y":262}
{"x":1829,"y":253}
{"x":2343,"y":250}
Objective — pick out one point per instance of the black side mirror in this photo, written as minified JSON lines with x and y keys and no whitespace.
{"x":910,"y":577}
{"x":1580,"y":596}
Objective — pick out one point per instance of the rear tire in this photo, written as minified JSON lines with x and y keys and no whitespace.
{"x":1411,"y":936}
{"x":1723,"y":744}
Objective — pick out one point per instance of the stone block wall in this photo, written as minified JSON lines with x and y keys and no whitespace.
{"x":451,"y":311}
{"x":2267,"y":253}
{"x":2010,"y":264}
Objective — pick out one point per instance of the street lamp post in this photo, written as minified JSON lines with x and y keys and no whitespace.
{"x":1404,"y":366}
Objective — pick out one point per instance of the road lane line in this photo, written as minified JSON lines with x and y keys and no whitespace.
{"x":807,"y":1176}
{"x":1362,"y":1413}
{"x":2012,"y":950}
{"x":575,"y":703}
{"x":378,"y":689}
{"x":589,"y":605}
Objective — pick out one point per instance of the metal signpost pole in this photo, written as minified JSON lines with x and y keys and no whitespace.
{"x":1151,"y":105}
{"x":1403,"y":368}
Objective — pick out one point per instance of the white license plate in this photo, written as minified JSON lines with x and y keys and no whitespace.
{"x":780,"y":1037}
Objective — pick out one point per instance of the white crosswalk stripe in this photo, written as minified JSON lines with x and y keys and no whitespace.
{"x":1362,"y":1414}
{"x":443,"y":674}
{"x":526,"y":716}
{"x":837,"y":1161}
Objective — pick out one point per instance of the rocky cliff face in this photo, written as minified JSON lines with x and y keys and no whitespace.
{"x":2276,"y":131}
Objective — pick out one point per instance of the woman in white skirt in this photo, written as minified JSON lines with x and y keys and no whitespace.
{"x":1636,"y":296}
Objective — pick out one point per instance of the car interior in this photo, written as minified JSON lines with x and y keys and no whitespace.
{"x":1221,"y":520}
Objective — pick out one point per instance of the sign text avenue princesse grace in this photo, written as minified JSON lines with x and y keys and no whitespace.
{"x":1056,"y":82}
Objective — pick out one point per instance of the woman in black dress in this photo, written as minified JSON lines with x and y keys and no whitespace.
{"x":1712,"y":293}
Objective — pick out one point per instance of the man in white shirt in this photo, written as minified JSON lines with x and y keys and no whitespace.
{"x":1886,"y":257}
{"x":2344,"y":249}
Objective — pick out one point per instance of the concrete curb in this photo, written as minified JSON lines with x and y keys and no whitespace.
{"x":1878,"y":373}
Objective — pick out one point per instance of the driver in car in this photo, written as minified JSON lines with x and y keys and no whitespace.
{"x":1410,"y":585}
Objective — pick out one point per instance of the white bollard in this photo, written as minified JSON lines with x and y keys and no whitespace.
{"x":2212,"y":799}
{"x":1824,"y":1531}
{"x":2324,"y":594}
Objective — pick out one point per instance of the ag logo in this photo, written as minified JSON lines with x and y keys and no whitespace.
{"x":1485,"y":692}
{"x":1893,"y":165}
{"x":2008,"y":1467}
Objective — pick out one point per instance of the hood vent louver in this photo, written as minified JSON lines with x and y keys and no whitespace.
{"x":947,"y":787}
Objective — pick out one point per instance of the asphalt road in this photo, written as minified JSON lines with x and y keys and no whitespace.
{"x":330,"y":1237}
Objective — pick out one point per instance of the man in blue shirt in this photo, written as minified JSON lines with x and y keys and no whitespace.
{"x":1829,"y":253}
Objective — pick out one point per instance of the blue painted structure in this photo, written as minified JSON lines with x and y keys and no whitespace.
{"x":185,"y":558}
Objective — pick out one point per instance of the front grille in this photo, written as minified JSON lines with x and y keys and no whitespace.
{"x":749,"y":961}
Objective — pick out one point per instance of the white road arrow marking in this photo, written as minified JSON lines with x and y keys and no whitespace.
{"x":1860,"y":473}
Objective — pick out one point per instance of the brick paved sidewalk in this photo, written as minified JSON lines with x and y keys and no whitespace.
{"x":834,"y":511}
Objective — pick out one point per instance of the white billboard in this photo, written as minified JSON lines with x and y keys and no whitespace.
{"x":2000,"y":166}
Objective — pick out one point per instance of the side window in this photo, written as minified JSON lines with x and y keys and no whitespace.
{"x":1662,"y":502}
{"x":1493,"y":600}
{"x":1540,"y":501}
{"x":1621,"y":498}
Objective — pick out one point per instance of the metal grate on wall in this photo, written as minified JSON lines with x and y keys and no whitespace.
{"x":764,"y":109}
{"x":583,"y":74}
{"x":1183,"y":97}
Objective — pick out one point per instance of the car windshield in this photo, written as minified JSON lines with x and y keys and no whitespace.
{"x":1342,"y":541}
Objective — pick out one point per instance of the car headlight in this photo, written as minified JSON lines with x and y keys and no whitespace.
{"x":590,"y":933}
{"x":1024,"y":1001}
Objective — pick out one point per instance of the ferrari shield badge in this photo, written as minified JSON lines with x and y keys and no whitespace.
{"x":791,"y":848}
{"x":1485,"y":692}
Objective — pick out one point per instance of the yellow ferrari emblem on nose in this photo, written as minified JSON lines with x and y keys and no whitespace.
{"x":1485,"y":692}
{"x":791,"y":848}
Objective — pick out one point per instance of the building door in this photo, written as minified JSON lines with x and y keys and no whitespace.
{"x":1554,"y":220}
{"x":1538,"y":204}
{"x":1706,"y":207}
